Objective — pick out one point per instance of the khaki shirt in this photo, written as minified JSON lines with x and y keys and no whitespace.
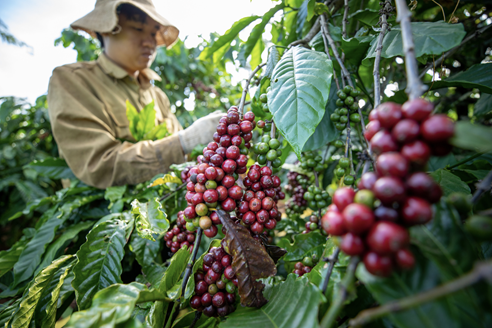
{"x":86,"y":102}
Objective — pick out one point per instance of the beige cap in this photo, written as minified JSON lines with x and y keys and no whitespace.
{"x":103,"y":19}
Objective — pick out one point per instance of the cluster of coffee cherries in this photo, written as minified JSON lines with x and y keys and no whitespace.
{"x":296,"y":186}
{"x":258,"y":208}
{"x":312,"y":161}
{"x":268,"y":149}
{"x":179,"y":236}
{"x":213,"y":180}
{"x":311,"y":224}
{"x":342,"y":171}
{"x":264,"y":102}
{"x":306,"y":265}
{"x":347,"y":108}
{"x":316,"y":198}
{"x":374,"y":221}
{"x":215,"y":285}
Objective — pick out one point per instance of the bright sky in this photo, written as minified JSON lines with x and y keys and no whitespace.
{"x":38,"y":23}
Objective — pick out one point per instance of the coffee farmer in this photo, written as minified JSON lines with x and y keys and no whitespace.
{"x":87,"y":100}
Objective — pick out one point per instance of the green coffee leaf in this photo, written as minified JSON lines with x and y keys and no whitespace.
{"x":100,"y":258}
{"x":299,"y":92}
{"x":22,"y":318}
{"x":304,"y":245}
{"x":291,"y":304}
{"x":430,"y":38}
{"x":478,"y":76}
{"x":150,"y":218}
{"x":53,"y":168}
{"x":175,"y":269}
{"x":228,"y":37}
{"x":472,"y":136}
{"x":449,"y":182}
{"x":256,"y":34}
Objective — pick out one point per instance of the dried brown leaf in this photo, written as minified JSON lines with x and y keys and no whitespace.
{"x":250,"y":261}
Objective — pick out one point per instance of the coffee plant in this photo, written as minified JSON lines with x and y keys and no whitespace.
{"x":373,"y":117}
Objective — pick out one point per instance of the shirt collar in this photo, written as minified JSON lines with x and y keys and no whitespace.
{"x":111,"y":68}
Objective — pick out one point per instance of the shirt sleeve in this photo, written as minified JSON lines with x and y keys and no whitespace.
{"x":83,"y":131}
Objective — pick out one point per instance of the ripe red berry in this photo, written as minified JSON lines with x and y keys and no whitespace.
{"x":437,"y":128}
{"x":225,"y":140}
{"x":233,"y":129}
{"x":343,"y":197}
{"x":189,"y":212}
{"x":246,"y":126}
{"x":254,"y":175}
{"x":222,"y":192}
{"x":242,"y":161}
{"x":332,"y":223}
{"x":265,"y":170}
{"x":211,"y":232}
{"x":416,"y":152}
{"x":232,"y":152}
{"x":248,"y":195}
{"x":271,"y":224}
{"x":276,"y":181}
{"x":383,"y":142}
{"x":229,"y":166}
{"x":420,"y":184}
{"x":235,"y":192}
{"x":211,"y":173}
{"x":257,"y":227}
{"x":217,"y":160}
{"x":372,"y":128}
{"x":232,"y":117}
{"x":417,"y":109}
{"x":357,"y":218}
{"x":392,"y":164}
{"x":383,"y":213}
{"x":405,"y":259}
{"x":416,"y":211}
{"x":249,"y":218}
{"x":261,"y":124}
{"x":221,"y":129}
{"x":405,"y":131}
{"x":262,"y":216}
{"x":373,"y":115}
{"x":211,"y":196}
{"x":367,"y":180}
{"x":255,"y":204}
{"x":352,"y":244}
{"x":229,"y":273}
{"x":266,"y":181}
{"x":206,"y":299}
{"x":201,"y":287}
{"x":228,"y":205}
{"x":249,"y":116}
{"x":267,"y":203}
{"x":387,"y":237}
{"x":389,"y":190}
{"x":389,"y":114}
{"x":378,"y":265}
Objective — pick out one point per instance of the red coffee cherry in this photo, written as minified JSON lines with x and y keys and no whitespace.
{"x":387,"y":238}
{"x":333,"y":224}
{"x":211,"y":196}
{"x":389,"y":114}
{"x":235,"y":192}
{"x":406,"y":131}
{"x":228,"y":205}
{"x":232,"y":117}
{"x":372,"y":128}
{"x":405,"y":259}
{"x":267,"y":203}
{"x":246,"y":126}
{"x":367,"y":180}
{"x":352,"y":244}
{"x":416,"y":211}
{"x":389,"y":190}
{"x":416,"y":152}
{"x":437,"y":128}
{"x":249,"y":116}
{"x":222,"y":192}
{"x":255,"y":205}
{"x":211,"y":173}
{"x":378,"y":265}
{"x":343,"y":197}
{"x":373,"y":115}
{"x":357,"y":218}
{"x":417,"y":109}
{"x":249,"y":218}
{"x":383,"y":142}
{"x":392,"y":164}
{"x":232,"y":152}
{"x":383,"y":213}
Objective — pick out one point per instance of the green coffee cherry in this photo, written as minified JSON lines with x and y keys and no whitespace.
{"x":264,"y":98}
{"x":344,"y":162}
{"x":271,"y":155}
{"x":342,"y":95}
{"x":274,"y":143}
{"x":348,"y":180}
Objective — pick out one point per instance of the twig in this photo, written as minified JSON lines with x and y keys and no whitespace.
{"x":246,"y":87}
{"x":482,"y":271}
{"x":311,"y":34}
{"x":335,"y":308}
{"x":415,"y":88}
{"x":377,"y":61}
{"x":332,"y":260}
{"x":195,"y":320}
{"x":345,"y":20}
{"x":345,"y":73}
{"x":191,"y":262}
{"x":452,"y":51}
{"x":482,"y":187}
{"x":316,"y":181}
{"x":324,"y":29}
{"x":170,"y":194}
{"x":327,"y":50}
{"x":272,"y":136}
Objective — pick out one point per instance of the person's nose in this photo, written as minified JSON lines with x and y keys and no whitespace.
{"x":150,"y":41}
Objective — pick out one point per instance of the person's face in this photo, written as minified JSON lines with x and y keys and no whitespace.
{"x":134,"y":48}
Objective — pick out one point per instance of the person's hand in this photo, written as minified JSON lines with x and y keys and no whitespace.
{"x":200,"y":132}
